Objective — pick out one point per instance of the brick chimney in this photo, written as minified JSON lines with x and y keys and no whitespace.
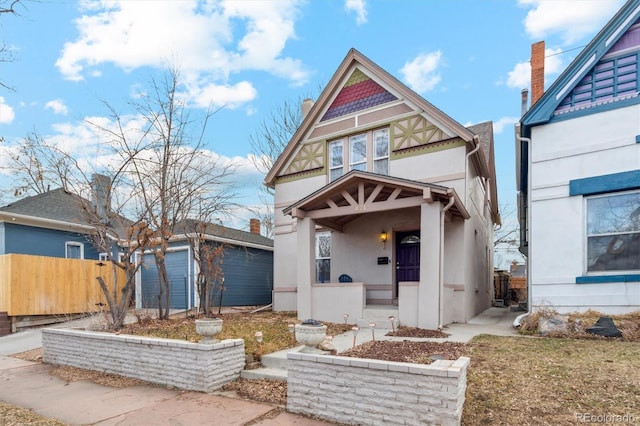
{"x":537,"y":71}
{"x":307,"y":104}
{"x":254,"y":226}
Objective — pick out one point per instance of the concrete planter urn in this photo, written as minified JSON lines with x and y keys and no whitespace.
{"x":310,"y":334}
{"x":209,"y":328}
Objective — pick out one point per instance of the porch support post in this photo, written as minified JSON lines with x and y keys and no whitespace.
{"x":305,"y":267}
{"x":429,"y":286}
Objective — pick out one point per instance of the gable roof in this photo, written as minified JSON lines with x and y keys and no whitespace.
{"x":543,"y":109}
{"x":223,"y":234}
{"x":55,"y":209}
{"x":359,"y":192}
{"x":333,"y":97}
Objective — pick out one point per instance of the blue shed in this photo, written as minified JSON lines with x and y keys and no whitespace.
{"x":247,"y":268}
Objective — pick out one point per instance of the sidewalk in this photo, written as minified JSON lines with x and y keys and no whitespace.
{"x":27,"y":384}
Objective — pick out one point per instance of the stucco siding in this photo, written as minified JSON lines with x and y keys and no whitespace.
{"x":591,"y":145}
{"x":427,"y":166}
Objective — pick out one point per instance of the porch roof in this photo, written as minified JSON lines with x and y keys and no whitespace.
{"x":358,"y":193}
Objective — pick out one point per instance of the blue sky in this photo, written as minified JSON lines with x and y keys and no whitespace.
{"x":467,"y":57}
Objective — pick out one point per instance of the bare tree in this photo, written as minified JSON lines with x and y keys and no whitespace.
{"x":36,"y":166}
{"x":209,"y":256}
{"x":267,"y":143}
{"x":506,"y":237}
{"x":7,"y":7}
{"x":173,"y":174}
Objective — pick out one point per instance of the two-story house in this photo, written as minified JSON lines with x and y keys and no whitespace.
{"x":579,"y":175}
{"x":381,"y":199}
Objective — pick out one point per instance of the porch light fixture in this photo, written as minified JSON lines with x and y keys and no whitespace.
{"x":383,"y":238}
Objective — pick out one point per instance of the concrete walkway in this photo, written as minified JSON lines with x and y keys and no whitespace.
{"x":27,"y":384}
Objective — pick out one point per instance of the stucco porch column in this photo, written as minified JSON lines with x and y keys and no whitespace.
{"x":429,"y":286}
{"x":305,"y":265}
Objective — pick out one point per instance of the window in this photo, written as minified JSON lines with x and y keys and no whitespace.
{"x":335,"y":160}
{"x":103,"y":257}
{"x":323,"y":257}
{"x":74,"y":250}
{"x":358,"y":156}
{"x":381,"y":152}
{"x":358,"y":152}
{"x":613,"y":232}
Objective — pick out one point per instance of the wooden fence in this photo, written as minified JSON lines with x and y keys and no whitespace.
{"x":39,"y":285}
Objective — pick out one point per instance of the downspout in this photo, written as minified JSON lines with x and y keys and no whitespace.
{"x":528,"y":218}
{"x":443,"y":214}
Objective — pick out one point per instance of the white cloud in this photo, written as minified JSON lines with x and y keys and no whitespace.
{"x":520,"y":76}
{"x":57,"y":106}
{"x":572,"y":20}
{"x":223,"y":38}
{"x":7,"y":114}
{"x":359,"y":7}
{"x":421,"y":74}
{"x":504,"y":123}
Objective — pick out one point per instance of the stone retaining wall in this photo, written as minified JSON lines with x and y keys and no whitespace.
{"x":192,"y":366}
{"x":373,"y":392}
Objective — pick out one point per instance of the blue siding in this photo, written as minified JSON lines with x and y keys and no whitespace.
{"x":2,"y":250}
{"x":605,"y":183}
{"x":177,"y":270}
{"x":21,"y":239}
{"x":248,"y":277}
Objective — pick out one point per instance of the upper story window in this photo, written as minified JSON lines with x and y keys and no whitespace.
{"x":336,"y":159}
{"x":367,"y":151}
{"x":73,"y":250}
{"x":613,"y":232}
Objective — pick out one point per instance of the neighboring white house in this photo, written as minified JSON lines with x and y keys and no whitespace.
{"x":383,"y":199}
{"x":579,"y":176}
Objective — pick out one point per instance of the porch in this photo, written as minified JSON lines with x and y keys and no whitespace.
{"x":404,"y":270}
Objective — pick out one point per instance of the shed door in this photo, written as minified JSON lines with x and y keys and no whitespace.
{"x":178,"y":272}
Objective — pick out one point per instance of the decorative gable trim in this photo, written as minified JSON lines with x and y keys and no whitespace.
{"x":358,"y":93}
{"x":414,"y":131}
{"x":310,"y":156}
{"x":542,"y":111}
{"x":352,"y":61}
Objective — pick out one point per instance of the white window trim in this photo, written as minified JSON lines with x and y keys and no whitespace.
{"x":68,"y":244}
{"x":347,"y":164}
{"x":341,"y":166}
{"x":586,"y":235}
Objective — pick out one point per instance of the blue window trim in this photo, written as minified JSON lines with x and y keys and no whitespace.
{"x":597,"y":279}
{"x":637,"y":138}
{"x":605,"y":183}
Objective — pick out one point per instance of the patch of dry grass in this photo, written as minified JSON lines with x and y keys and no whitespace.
{"x":273,"y":325}
{"x":578,"y":322}
{"x":11,"y":415}
{"x":534,"y":381}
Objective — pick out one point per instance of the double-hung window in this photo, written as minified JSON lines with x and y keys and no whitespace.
{"x":381,"y":151}
{"x":358,"y":152}
{"x":613,"y":232}
{"x":323,"y":257}
{"x":367,"y":151}
{"x":336,"y":160}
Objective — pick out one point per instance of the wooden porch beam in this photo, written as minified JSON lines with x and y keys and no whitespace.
{"x":349,"y":199}
{"x":374,"y":207}
{"x":394,"y":194}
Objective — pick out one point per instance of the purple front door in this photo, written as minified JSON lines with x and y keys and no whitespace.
{"x":407,"y":257}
